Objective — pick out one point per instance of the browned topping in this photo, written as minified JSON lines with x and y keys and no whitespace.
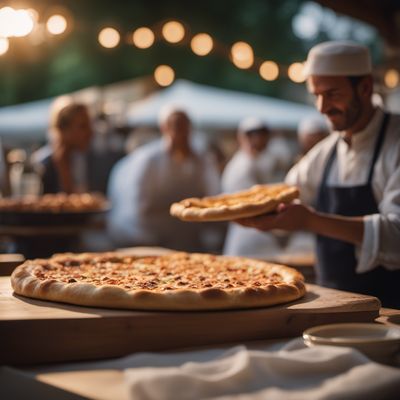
{"x":175,"y":271}
{"x":59,"y":202}
{"x":255,"y":195}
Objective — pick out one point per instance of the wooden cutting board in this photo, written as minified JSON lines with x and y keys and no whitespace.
{"x":34,"y":331}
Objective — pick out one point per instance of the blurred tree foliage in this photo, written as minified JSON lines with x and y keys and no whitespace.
{"x":76,"y":60}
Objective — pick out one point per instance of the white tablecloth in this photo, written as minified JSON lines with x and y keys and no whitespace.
{"x":289,"y":372}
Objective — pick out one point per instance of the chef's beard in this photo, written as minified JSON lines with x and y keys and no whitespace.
{"x":349,"y":116}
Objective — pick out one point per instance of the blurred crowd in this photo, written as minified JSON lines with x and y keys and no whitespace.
{"x":142,"y":174}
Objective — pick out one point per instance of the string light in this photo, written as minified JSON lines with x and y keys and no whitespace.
{"x":173,"y":31}
{"x":202,"y":44}
{"x":56,"y":24}
{"x":391,"y":78}
{"x":6,"y":22}
{"x":269,"y":70}
{"x":17,"y":23}
{"x":4,"y":45}
{"x":23,"y":23}
{"x":295,"y":72}
{"x":242,"y":55}
{"x":109,"y":38}
{"x":143,"y":38}
{"x":164,"y":75}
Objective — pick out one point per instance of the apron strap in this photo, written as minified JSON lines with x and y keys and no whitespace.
{"x":329,"y":163}
{"x":378,"y":145}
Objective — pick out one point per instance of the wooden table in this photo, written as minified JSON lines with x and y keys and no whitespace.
{"x":102,"y":380}
{"x":37,"y":331}
{"x":62,"y":332}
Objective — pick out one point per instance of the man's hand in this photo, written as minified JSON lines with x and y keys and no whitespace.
{"x":295,"y":216}
{"x":288,"y":217}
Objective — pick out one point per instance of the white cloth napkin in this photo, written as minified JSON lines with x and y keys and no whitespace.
{"x":293,"y":372}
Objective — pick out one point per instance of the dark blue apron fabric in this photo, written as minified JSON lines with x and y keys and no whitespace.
{"x":336,"y":265}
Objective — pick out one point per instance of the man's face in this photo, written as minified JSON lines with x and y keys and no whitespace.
{"x":337,"y":99}
{"x":254,"y":142}
{"x":177,"y":128}
{"x":78,"y":133}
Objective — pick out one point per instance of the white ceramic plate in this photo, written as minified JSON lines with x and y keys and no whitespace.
{"x":379,"y":342}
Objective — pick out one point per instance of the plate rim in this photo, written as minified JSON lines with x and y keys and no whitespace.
{"x":311,"y":336}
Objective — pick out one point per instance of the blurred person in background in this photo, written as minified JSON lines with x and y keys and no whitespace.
{"x":144,"y":184}
{"x":310,"y":131}
{"x":352,"y":178}
{"x":63,"y":163}
{"x":253,"y":164}
{"x":5,"y":189}
{"x":107,"y":147}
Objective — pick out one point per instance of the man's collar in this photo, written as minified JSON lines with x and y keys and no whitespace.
{"x":357,"y":139}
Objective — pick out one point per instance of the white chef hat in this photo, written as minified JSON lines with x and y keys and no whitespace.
{"x":250,"y":124}
{"x":338,"y":58}
{"x":311,"y":125}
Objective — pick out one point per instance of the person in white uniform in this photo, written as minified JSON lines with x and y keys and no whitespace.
{"x":144,"y":184}
{"x":310,"y":131}
{"x":349,"y":182}
{"x":251,"y":165}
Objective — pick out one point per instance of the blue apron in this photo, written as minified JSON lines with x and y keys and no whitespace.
{"x":336,"y":259}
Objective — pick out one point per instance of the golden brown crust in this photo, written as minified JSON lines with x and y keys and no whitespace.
{"x":259,"y":199}
{"x":176,"y":281}
{"x":55,"y":203}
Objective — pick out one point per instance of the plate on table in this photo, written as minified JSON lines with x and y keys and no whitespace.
{"x":376,"y":341}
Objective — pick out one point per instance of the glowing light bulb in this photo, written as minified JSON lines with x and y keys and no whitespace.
{"x":109,"y":38}
{"x":242,"y":55}
{"x":202,"y":44}
{"x":173,"y":31}
{"x":164,"y":75}
{"x":295,"y":72}
{"x":56,"y":24}
{"x":391,"y":78}
{"x":4,"y":46}
{"x":269,"y":70}
{"x":7,"y":21}
{"x":143,"y":38}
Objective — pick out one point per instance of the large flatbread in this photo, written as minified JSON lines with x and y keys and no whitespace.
{"x":259,"y":199}
{"x":174,"y":281}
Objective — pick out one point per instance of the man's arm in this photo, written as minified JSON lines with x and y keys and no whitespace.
{"x":294,"y":217}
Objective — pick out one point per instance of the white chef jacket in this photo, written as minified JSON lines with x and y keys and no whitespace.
{"x":142,"y":187}
{"x":242,"y":172}
{"x":381,"y":241}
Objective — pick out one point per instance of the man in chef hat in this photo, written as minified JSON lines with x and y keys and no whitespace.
{"x":349,"y":182}
{"x":252,"y":164}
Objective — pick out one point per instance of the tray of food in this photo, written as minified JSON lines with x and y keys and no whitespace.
{"x":52,"y":209}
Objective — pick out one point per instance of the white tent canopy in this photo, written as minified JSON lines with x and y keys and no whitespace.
{"x":209,"y":107}
{"x":214,"y":108}
{"x":28,"y":120}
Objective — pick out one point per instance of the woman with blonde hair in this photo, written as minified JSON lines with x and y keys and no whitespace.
{"x":63,"y":162}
